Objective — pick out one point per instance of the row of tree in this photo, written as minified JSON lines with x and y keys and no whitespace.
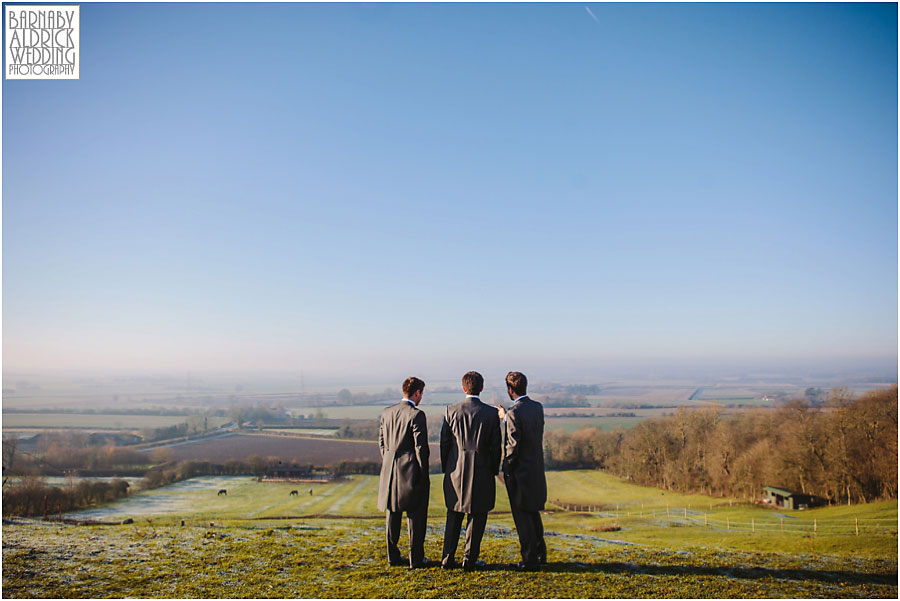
{"x":33,"y":497}
{"x":253,"y":465}
{"x":69,"y":451}
{"x":844,"y":450}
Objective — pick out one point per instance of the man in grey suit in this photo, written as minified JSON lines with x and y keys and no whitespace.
{"x":523,"y":469}
{"x":404,"y":485}
{"x":470,"y":460}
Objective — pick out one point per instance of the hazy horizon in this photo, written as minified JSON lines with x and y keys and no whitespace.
{"x":811,"y":372}
{"x":372,"y":191}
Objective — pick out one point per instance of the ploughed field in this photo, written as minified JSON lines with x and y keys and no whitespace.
{"x":316,"y":450}
{"x":258,"y":540}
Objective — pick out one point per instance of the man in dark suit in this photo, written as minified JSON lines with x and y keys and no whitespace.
{"x":470,"y":460}
{"x":523,"y":469}
{"x":404,"y":485}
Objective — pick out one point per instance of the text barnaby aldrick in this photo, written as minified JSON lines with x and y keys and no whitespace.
{"x":41,"y":41}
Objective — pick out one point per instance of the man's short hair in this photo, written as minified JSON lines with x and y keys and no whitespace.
{"x":517,"y":381}
{"x":473,"y":383}
{"x":411,"y":386}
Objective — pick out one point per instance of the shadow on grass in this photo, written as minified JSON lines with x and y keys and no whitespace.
{"x":828,"y":576}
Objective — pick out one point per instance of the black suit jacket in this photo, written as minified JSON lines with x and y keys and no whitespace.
{"x":470,"y":456}
{"x":523,"y":461}
{"x":403,"y":442}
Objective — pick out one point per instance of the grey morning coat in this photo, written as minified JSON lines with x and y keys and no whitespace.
{"x":523,"y":461}
{"x":403,"y":441}
{"x":470,"y":456}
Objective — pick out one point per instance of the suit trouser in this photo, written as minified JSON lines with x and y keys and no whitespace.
{"x":474,"y":533}
{"x":530,"y":529}
{"x":415,"y":521}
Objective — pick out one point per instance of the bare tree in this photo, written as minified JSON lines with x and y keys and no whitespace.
{"x":10,"y":446}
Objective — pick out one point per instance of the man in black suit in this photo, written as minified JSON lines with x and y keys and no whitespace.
{"x":403,"y":485}
{"x":470,"y":460}
{"x":523,"y":469}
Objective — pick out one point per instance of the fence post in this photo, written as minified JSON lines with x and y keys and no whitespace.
{"x":815,"y":526}
{"x":753,"y":524}
{"x":857,"y":526}
{"x":685,"y":513}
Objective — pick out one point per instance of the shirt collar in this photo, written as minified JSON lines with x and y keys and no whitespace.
{"x":519,"y":398}
{"x":410,"y":402}
{"x":473,"y":396}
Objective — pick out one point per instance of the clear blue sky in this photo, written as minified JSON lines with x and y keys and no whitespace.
{"x":395,"y":189}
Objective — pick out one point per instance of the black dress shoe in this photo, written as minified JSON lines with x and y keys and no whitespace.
{"x":450,"y":565}
{"x":471,"y":566}
{"x":526,"y":567}
{"x":419,"y":565}
{"x":397,"y":564}
{"x":542,"y":559}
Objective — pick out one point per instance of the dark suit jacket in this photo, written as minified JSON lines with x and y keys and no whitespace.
{"x":523,"y":461}
{"x":403,"y":441}
{"x":470,"y":456}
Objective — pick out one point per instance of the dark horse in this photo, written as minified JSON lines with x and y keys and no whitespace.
{"x":294,"y":493}
{"x":222,"y":492}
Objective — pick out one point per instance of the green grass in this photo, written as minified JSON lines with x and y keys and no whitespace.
{"x":249,"y":553}
{"x":652,"y":516}
{"x":345,"y":558}
{"x":645,"y":515}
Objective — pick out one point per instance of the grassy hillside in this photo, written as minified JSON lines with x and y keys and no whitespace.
{"x":644,"y":515}
{"x":345,"y":558}
{"x":234,"y":546}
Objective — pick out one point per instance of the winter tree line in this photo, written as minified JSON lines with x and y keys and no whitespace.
{"x":844,"y":450}
{"x":33,"y":497}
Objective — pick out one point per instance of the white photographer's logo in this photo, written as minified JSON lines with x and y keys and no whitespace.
{"x":42,"y":42}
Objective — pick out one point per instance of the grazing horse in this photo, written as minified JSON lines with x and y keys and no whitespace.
{"x":294,"y":493}
{"x":222,"y":492}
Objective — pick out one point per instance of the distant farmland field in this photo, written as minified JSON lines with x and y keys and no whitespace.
{"x":303,"y":431}
{"x":605,"y":424}
{"x":99,"y":421}
{"x":433,"y":411}
{"x":317,"y":451}
{"x":730,"y":395}
{"x":583,"y":416}
{"x":349,"y":412}
{"x":599,"y":412}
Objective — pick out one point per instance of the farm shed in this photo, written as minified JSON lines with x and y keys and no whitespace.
{"x":787,"y":499}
